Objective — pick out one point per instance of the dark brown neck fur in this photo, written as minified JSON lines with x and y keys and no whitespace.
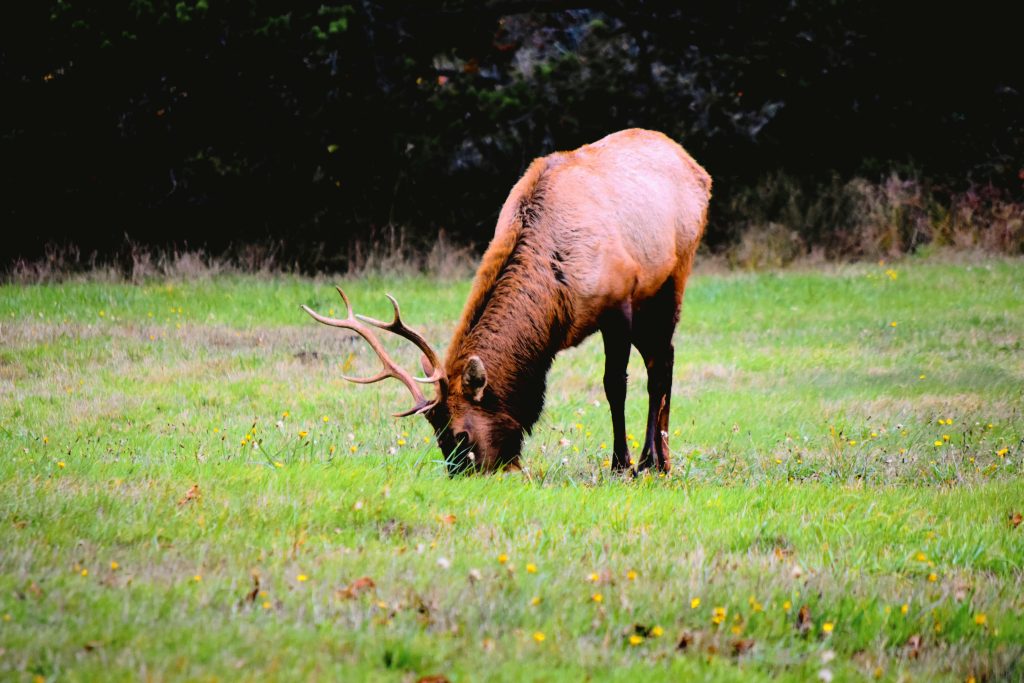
{"x":520,"y":318}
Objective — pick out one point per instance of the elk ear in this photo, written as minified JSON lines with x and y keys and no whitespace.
{"x":474,"y":378}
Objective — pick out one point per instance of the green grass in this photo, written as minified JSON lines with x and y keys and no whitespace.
{"x":806,"y":474}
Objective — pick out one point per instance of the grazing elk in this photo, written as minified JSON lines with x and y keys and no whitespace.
{"x":600,"y":238}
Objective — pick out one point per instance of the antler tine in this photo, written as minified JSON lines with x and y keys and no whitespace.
{"x":391,"y":369}
{"x":344,"y":297}
{"x":398,"y":327}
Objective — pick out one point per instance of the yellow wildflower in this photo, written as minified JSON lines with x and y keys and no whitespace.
{"x":597,"y":597}
{"x":301,"y":578}
{"x":538,"y":636}
{"x":635,"y":640}
{"x":695,"y":603}
{"x":531,"y":568}
{"x":827,"y":627}
{"x":503,"y":558}
{"x":631,"y":575}
{"x":657,"y":631}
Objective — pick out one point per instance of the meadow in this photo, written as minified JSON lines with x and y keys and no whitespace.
{"x":190,"y":491}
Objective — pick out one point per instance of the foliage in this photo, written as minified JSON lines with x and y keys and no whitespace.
{"x":319,"y":125}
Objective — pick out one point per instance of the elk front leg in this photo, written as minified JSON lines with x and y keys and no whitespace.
{"x":616,"y":331}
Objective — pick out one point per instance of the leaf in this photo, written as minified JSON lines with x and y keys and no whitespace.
{"x":356,"y":587}
{"x":251,"y":595}
{"x":804,"y":623}
{"x":190,"y":495}
{"x":913,"y":646}
{"x":741,"y":645}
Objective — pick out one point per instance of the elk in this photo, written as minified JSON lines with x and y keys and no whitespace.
{"x":601,"y":238}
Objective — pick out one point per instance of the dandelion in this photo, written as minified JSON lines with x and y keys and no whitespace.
{"x":657,"y":632}
{"x":945,"y":437}
{"x":303,"y":434}
{"x":597,"y":597}
{"x":266,"y":604}
{"x":353,"y":448}
{"x":1002,"y":452}
{"x":694,"y":603}
{"x":631,"y":575}
{"x":538,"y":636}
{"x":921,"y":557}
{"x":115,"y":566}
{"x":535,"y":600}
{"x":635,"y":639}
{"x":787,"y":605}
{"x":718,"y":615}
{"x":933,"y":577}
{"x":531,"y":568}
{"x":503,"y":558}
{"x":593,"y":577}
{"x":197,"y":578}
{"x":285,"y":415}
{"x":61,"y":464}
{"x":938,"y":444}
{"x":326,"y":419}
{"x":278,"y":464}
{"x":85,"y":572}
{"x":904,"y":608}
{"x":302,"y":578}
{"x":921,"y":376}
{"x":892,"y":324}
{"x":980,"y":619}
{"x":853,"y":443}
{"x":401,"y":442}
{"x":828,"y":627}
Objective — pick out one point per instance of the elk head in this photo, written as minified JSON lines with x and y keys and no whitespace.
{"x":471,"y":428}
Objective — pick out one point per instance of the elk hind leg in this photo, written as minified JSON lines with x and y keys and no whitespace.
{"x":653,"y":331}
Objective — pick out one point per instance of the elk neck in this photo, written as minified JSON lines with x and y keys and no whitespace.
{"x":521,"y":316}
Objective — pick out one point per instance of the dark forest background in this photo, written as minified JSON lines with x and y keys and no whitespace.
{"x":307,"y":129}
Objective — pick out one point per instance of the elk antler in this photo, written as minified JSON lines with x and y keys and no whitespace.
{"x":391,"y":369}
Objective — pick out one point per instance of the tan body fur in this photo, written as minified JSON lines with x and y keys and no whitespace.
{"x":602,"y":237}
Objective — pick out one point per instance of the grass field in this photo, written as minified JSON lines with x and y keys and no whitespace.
{"x":189,"y":491}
